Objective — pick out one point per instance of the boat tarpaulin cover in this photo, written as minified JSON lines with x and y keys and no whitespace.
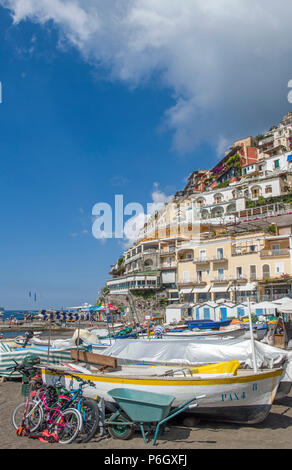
{"x":184,"y":352}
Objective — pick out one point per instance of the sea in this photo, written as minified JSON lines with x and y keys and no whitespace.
{"x":19,"y":315}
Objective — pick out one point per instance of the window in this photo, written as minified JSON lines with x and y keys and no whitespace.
{"x":221,"y":274}
{"x":220,"y":253}
{"x":266,"y":271}
{"x":253,"y":248}
{"x":276,"y":164}
{"x":199,"y":276}
{"x":276,"y":249}
{"x":203,"y":255}
{"x":268,"y":189}
{"x":253,"y":272}
{"x":239,"y":272}
{"x":185,"y":276}
{"x":279,"y":268}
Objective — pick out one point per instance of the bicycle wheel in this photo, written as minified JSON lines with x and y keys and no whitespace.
{"x":33,"y":418}
{"x":68,"y":425}
{"x":90,"y":419}
{"x":121,"y":430}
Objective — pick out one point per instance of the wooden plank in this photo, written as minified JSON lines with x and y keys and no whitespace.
{"x":93,"y":358}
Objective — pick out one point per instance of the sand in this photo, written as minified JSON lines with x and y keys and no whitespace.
{"x":274,"y":433}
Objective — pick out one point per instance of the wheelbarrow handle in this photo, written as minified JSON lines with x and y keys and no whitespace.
{"x":195,"y":405}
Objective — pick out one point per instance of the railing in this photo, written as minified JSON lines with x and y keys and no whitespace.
{"x":244,"y":251}
{"x":274,"y":253}
{"x":219,"y":258}
{"x":229,"y":279}
{"x":168,"y":266}
{"x":182,"y":260}
{"x":202,"y":260}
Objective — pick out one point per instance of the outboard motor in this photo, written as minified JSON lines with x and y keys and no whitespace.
{"x":28,"y":335}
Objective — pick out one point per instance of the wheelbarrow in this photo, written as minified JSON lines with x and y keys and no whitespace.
{"x":144,"y":410}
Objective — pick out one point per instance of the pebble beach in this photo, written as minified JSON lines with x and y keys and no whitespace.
{"x":274,"y":433}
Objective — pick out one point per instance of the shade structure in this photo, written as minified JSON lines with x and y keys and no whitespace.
{"x":282,"y":301}
{"x":285,"y":307}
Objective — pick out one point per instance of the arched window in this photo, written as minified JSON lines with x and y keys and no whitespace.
{"x":217,"y":212}
{"x":266,"y":271}
{"x":218,"y":198}
{"x":231,"y":208}
{"x":201,"y":202}
{"x":256,"y":192}
{"x":205,"y":214}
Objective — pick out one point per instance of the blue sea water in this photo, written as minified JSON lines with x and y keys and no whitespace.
{"x":18,"y":314}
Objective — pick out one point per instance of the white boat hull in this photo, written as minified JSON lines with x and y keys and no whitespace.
{"x":246,"y":398}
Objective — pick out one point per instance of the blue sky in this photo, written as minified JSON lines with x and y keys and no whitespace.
{"x":127,"y":97}
{"x":70,"y":139}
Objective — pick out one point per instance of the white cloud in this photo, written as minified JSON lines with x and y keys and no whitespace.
{"x":226,"y":62}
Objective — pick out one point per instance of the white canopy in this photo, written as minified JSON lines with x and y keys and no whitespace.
{"x":285,"y":307}
{"x":285,"y":300}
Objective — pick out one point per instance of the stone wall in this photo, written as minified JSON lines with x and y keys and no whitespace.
{"x":143,"y":306}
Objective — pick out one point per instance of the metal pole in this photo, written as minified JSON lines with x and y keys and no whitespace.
{"x":49,"y":342}
{"x":252,"y":339}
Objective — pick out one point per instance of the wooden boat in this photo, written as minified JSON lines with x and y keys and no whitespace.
{"x":231,"y":394}
{"x":207,"y":324}
{"x":232,"y":332}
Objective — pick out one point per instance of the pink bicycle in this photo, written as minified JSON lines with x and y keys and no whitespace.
{"x":42,"y":410}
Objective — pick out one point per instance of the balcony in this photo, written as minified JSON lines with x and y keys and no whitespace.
{"x":166,"y":266}
{"x":185,"y":259}
{"x":225,"y":279}
{"x":167,"y":253}
{"x":202,"y":261}
{"x":192,"y":282}
{"x":219,"y":259}
{"x":219,"y":280}
{"x":275,"y":253}
{"x":243,"y":251}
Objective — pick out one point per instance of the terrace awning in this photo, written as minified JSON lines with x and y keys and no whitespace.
{"x":219,"y":289}
{"x":201,"y":290}
{"x":185,"y":291}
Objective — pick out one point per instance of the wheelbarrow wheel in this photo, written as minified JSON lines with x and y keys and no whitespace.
{"x":121,"y":431}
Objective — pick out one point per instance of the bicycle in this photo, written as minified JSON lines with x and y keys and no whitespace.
{"x":30,"y":416}
{"x":86,"y":406}
{"x":42,"y":409}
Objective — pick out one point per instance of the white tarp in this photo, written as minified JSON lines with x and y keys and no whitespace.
{"x":206,"y":352}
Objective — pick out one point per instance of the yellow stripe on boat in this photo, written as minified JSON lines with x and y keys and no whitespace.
{"x":166,"y":382}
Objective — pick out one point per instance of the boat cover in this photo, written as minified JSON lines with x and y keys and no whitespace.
{"x":185,"y":353}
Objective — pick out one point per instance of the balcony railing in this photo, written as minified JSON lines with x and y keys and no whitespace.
{"x":225,"y":279}
{"x":182,"y":260}
{"x":275,"y":253}
{"x":243,"y":251}
{"x":202,"y":260}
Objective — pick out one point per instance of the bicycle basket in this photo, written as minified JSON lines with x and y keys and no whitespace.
{"x":51,"y":395}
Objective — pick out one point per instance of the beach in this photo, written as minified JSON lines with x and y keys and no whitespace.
{"x":274,"y":433}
